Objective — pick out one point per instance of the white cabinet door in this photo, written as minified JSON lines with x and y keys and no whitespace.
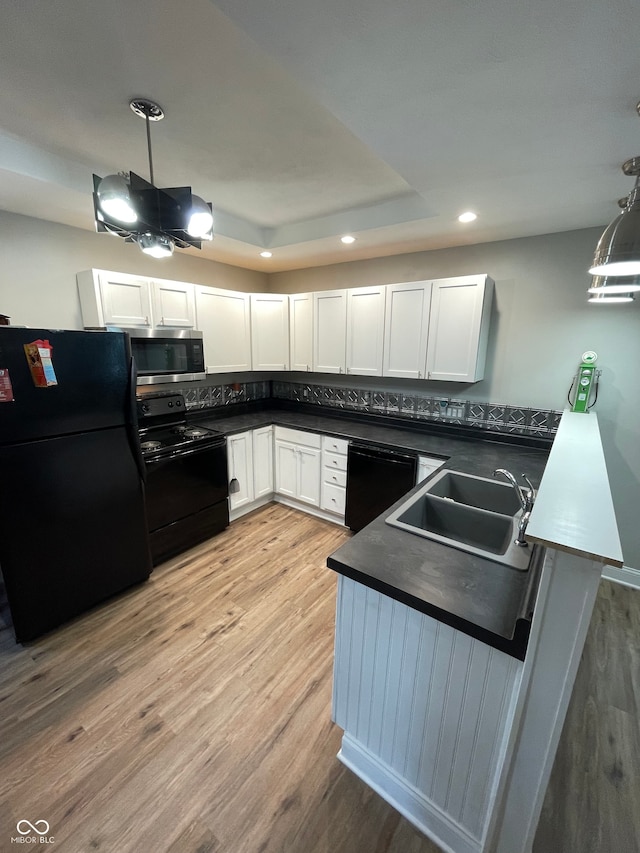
{"x":458,"y":328}
{"x":365,"y":330}
{"x":223,"y":319}
{"x":269,"y":331}
{"x":309,"y":475}
{"x":262,"y":462}
{"x":301,"y":331}
{"x":406,"y":329}
{"x":286,"y":468}
{"x":330,"y":331}
{"x":114,"y":299}
{"x":240,"y":465}
{"x":173,"y":304}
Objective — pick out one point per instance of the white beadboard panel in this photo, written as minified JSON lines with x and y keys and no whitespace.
{"x":380,"y":690}
{"x":429,"y":702}
{"x":448,"y":834}
{"x":502,"y":680}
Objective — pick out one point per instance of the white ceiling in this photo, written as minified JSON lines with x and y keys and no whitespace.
{"x":303,"y":120}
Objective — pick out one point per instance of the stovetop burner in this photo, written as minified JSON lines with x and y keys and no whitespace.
{"x":164,"y":430}
{"x":150,"y":445}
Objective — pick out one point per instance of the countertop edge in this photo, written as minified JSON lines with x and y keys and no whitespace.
{"x":516,"y":646}
{"x":574,"y":509}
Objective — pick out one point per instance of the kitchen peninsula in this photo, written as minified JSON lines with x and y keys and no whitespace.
{"x":460,"y":736}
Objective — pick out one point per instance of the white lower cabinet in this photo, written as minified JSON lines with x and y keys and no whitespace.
{"x":334,"y":475}
{"x":297,"y":465}
{"x":240,"y":467}
{"x":250,"y":464}
{"x":262,"y":445}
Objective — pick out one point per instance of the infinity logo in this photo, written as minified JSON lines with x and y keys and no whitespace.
{"x":32,"y":827}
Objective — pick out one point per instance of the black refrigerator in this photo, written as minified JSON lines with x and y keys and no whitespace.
{"x":72,"y":519}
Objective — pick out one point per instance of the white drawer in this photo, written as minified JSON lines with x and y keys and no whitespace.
{"x":333,"y":498}
{"x":334,"y":477}
{"x":335,"y":445}
{"x":298,"y":436}
{"x":334,"y":460}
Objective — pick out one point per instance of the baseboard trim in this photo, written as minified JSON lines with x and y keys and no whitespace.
{"x":625,"y":576}
{"x":411,"y":803}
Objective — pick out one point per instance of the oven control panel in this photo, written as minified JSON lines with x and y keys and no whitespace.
{"x":152,"y":406}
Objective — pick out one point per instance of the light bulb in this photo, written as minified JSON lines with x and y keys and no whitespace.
{"x":156,"y":245}
{"x":114,"y":199}
{"x":201,"y":219}
{"x":468,"y":216}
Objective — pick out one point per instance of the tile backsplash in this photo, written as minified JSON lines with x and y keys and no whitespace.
{"x":212,"y":396}
{"x":497,"y":417}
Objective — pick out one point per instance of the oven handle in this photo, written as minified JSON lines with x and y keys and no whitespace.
{"x":132,"y":423}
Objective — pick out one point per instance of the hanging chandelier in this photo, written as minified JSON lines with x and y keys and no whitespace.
{"x":157,"y":219}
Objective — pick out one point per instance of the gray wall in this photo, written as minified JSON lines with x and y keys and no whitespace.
{"x":39,"y":261}
{"x":540,"y":326}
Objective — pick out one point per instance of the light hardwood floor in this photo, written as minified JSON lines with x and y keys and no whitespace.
{"x":191,"y":715}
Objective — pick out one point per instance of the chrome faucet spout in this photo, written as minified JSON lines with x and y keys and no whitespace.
{"x":526,"y":497}
{"x":518,"y":488}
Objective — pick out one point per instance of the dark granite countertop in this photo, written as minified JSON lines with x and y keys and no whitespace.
{"x":482,"y":598}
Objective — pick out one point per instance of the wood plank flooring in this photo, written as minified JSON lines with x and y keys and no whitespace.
{"x":192,"y":715}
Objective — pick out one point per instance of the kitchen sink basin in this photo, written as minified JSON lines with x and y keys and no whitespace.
{"x":472,"y":514}
{"x":475,"y":491}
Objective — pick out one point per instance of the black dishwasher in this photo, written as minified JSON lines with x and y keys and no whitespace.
{"x":376,"y":478}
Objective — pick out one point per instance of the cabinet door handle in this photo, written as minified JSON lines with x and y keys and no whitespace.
{"x":419,"y":374}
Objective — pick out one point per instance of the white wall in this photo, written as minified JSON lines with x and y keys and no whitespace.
{"x":540,"y":326}
{"x":39,"y":261}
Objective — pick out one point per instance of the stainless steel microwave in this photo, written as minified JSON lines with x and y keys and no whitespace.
{"x":167,"y":355}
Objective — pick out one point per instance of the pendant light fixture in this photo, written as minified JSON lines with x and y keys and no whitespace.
{"x":618,"y":250}
{"x":156,"y":219}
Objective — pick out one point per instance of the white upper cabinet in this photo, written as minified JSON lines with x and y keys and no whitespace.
{"x":406,"y":329}
{"x":128,"y":301}
{"x":365,"y":330}
{"x":330,"y":331}
{"x":301,"y":331}
{"x":223,"y":318}
{"x":173,"y":304}
{"x":269,"y":331}
{"x":114,"y":299}
{"x":459,"y":328}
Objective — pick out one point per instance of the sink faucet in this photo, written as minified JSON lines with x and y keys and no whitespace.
{"x":526,"y":497}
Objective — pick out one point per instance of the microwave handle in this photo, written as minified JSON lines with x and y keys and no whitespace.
{"x":132,"y":423}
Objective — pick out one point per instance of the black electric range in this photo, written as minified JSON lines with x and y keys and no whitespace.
{"x":186,"y":476}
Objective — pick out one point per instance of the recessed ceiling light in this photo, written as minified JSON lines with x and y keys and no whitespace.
{"x":348,"y":239}
{"x":266,"y":254}
{"x":468,"y":216}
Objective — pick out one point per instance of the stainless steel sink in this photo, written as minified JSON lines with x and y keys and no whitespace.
{"x":473,"y":514}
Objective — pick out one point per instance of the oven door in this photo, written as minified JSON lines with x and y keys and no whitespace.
{"x":186,"y":499}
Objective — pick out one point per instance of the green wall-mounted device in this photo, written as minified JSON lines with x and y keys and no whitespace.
{"x":584,"y":381}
